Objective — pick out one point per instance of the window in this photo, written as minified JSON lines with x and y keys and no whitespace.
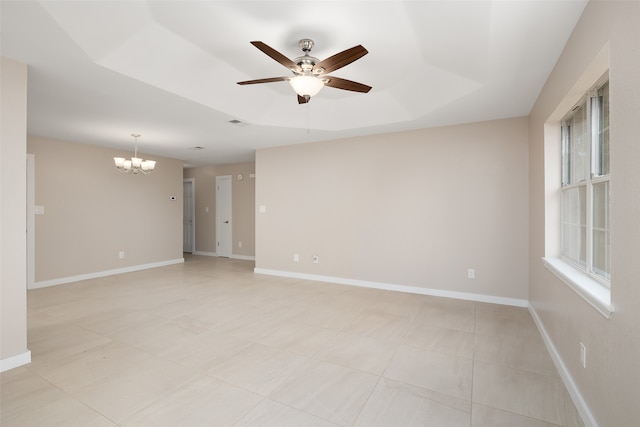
{"x":586,"y":184}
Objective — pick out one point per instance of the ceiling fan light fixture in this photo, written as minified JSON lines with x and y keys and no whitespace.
{"x":309,"y":73}
{"x":306,"y":85}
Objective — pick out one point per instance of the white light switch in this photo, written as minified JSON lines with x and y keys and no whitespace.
{"x":38,"y":210}
{"x":263,"y":208}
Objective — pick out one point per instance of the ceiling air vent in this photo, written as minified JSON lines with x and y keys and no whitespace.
{"x":238,"y":123}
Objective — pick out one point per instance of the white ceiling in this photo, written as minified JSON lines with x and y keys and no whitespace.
{"x":101,"y":70}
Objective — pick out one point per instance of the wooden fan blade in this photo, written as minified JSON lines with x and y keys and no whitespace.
{"x":269,"y":80}
{"x":345,"y":84}
{"x":274,"y":54}
{"x":302,"y":99}
{"x":339,"y":60}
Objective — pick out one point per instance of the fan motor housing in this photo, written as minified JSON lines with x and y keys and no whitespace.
{"x":306,"y":62}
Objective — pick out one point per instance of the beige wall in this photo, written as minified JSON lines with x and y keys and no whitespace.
{"x":92,"y":211}
{"x":242,"y":209}
{"x":13,"y":214}
{"x":416,"y":208}
{"x":610,"y":384}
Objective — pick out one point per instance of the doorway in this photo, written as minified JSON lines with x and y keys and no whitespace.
{"x":188,"y":209}
{"x":223,"y":216}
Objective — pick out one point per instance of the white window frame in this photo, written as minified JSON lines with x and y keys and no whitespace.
{"x":590,"y":180}
{"x":593,"y":291}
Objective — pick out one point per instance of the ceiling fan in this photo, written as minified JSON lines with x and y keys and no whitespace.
{"x":309,"y":73}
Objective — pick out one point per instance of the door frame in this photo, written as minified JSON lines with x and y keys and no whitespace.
{"x":192,"y":181}
{"x":218,"y":215}
{"x":31,"y":221}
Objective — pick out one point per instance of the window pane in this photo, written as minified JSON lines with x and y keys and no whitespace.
{"x":574,"y":224}
{"x":577,"y":133}
{"x":601,"y":230}
{"x":565,"y":153}
{"x":602,"y":147}
{"x":601,"y":205}
{"x":583,"y":224}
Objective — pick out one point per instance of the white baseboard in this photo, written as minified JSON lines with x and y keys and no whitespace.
{"x":399,"y":288}
{"x":583,"y":409}
{"x":205,"y":253}
{"x":233,"y":256}
{"x":244,"y":257}
{"x":15,"y":361}
{"x":62,"y":280}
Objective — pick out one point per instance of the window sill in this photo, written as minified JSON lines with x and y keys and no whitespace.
{"x":589,"y":289}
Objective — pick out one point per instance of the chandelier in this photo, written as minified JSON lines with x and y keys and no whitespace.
{"x":136,"y":165}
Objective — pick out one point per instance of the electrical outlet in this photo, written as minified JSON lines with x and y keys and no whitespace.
{"x":315,"y":259}
{"x":121,"y":254}
{"x":296,"y":257}
{"x":471,"y":273}
{"x":583,"y":355}
{"x":239,"y":244}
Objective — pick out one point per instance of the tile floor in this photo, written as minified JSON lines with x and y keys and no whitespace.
{"x":210,"y":343}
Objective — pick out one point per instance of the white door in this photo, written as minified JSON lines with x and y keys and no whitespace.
{"x":223,"y":215}
{"x":188,"y":226}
